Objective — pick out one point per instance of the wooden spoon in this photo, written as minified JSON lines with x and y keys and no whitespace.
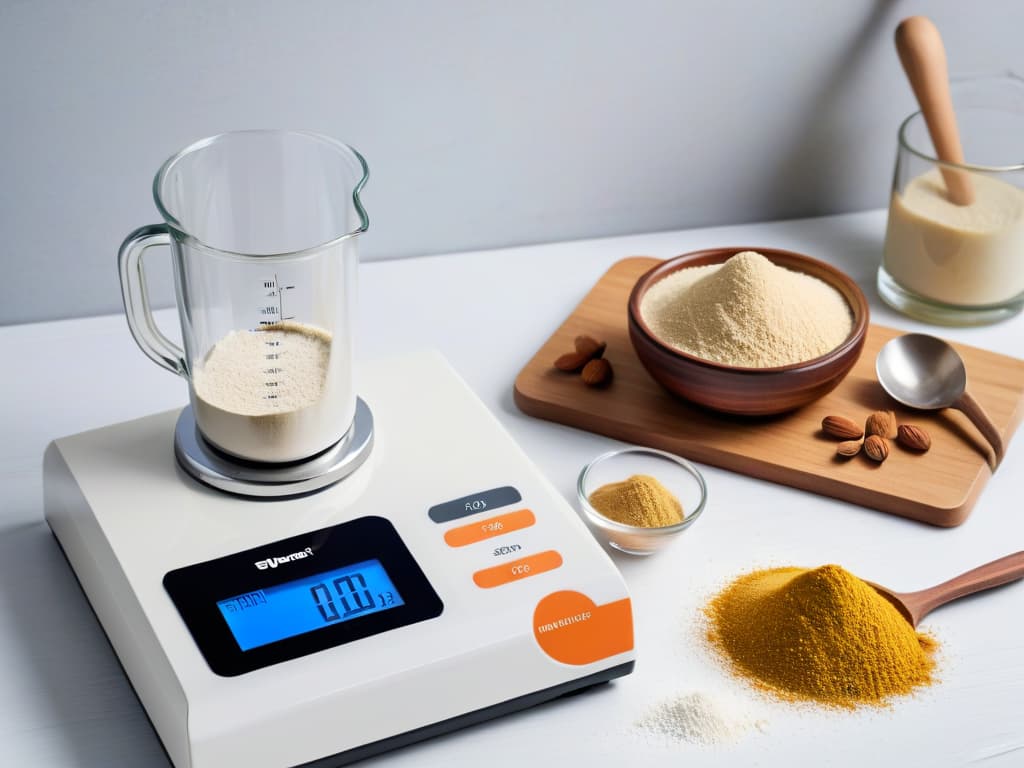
{"x":923,"y":56}
{"x":916,"y":605}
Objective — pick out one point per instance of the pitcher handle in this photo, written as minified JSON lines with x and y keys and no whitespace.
{"x":151,"y":341}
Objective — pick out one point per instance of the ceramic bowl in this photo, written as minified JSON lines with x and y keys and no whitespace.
{"x":748,"y":391}
{"x":679,"y":477}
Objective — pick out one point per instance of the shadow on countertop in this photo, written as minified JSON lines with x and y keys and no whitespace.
{"x":82,"y":711}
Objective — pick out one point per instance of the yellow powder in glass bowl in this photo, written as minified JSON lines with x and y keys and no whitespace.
{"x":641,"y":501}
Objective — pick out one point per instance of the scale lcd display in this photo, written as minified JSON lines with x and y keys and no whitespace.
{"x":274,"y":613}
{"x":251,"y":609}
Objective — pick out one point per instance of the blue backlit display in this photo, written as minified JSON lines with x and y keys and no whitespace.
{"x":305,"y":605}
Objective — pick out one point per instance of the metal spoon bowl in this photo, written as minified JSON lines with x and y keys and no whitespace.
{"x":925,"y":372}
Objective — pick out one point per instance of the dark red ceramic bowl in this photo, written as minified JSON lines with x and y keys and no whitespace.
{"x":747,"y":391}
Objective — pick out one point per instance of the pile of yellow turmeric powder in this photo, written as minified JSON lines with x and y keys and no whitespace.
{"x":820,"y":635}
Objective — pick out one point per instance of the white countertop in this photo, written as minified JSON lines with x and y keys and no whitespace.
{"x":65,"y":702}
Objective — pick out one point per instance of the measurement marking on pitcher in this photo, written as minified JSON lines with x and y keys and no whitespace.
{"x":274,"y":312}
{"x":274,"y":290}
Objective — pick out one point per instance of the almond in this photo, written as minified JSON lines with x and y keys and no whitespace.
{"x":590,"y":347}
{"x":841,"y":427}
{"x":597,"y":373}
{"x":876,"y":448}
{"x":570,"y":362}
{"x":848,"y":448}
{"x":881,"y":423}
{"x":913,"y":437}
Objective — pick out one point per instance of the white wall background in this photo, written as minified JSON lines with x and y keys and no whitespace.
{"x":485,"y":123}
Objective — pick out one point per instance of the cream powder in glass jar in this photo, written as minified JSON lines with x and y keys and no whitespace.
{"x":960,"y":264}
{"x":971,"y":254}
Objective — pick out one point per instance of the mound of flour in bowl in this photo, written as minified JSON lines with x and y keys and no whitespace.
{"x":747,"y":312}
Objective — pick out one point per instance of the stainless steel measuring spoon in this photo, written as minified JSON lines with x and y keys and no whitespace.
{"x":922,"y":371}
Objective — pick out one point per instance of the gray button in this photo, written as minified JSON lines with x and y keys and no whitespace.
{"x":484,"y":501}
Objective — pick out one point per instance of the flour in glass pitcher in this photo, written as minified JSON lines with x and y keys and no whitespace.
{"x":266,"y":395}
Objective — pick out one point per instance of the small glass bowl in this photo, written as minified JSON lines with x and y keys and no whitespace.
{"x":677,"y":475}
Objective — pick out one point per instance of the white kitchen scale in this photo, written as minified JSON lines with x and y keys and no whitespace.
{"x":318,"y":630}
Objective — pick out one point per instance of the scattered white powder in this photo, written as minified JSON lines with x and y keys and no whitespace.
{"x":747,"y":312}
{"x":700,"y":718}
{"x":273,"y":395}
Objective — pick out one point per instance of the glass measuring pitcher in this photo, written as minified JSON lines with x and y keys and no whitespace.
{"x":262,"y":228}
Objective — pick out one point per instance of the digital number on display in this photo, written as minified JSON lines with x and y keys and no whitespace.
{"x":267,"y":615}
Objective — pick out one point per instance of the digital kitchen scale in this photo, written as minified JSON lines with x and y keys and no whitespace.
{"x":442,"y":583}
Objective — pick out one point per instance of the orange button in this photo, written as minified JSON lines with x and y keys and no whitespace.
{"x":492,"y":526}
{"x":517,"y":569}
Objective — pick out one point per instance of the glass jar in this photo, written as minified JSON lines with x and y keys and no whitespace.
{"x":960,"y":264}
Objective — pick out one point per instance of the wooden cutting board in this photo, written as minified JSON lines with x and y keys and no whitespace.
{"x":939,"y":487}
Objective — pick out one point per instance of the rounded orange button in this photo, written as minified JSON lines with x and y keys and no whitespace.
{"x":517,"y":569}
{"x":489,"y":528}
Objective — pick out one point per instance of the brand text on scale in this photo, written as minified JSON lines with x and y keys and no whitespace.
{"x":273,"y":562}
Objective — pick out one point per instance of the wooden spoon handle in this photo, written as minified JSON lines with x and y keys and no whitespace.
{"x":973,"y":411}
{"x":923,"y":56}
{"x":1001,"y":571}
